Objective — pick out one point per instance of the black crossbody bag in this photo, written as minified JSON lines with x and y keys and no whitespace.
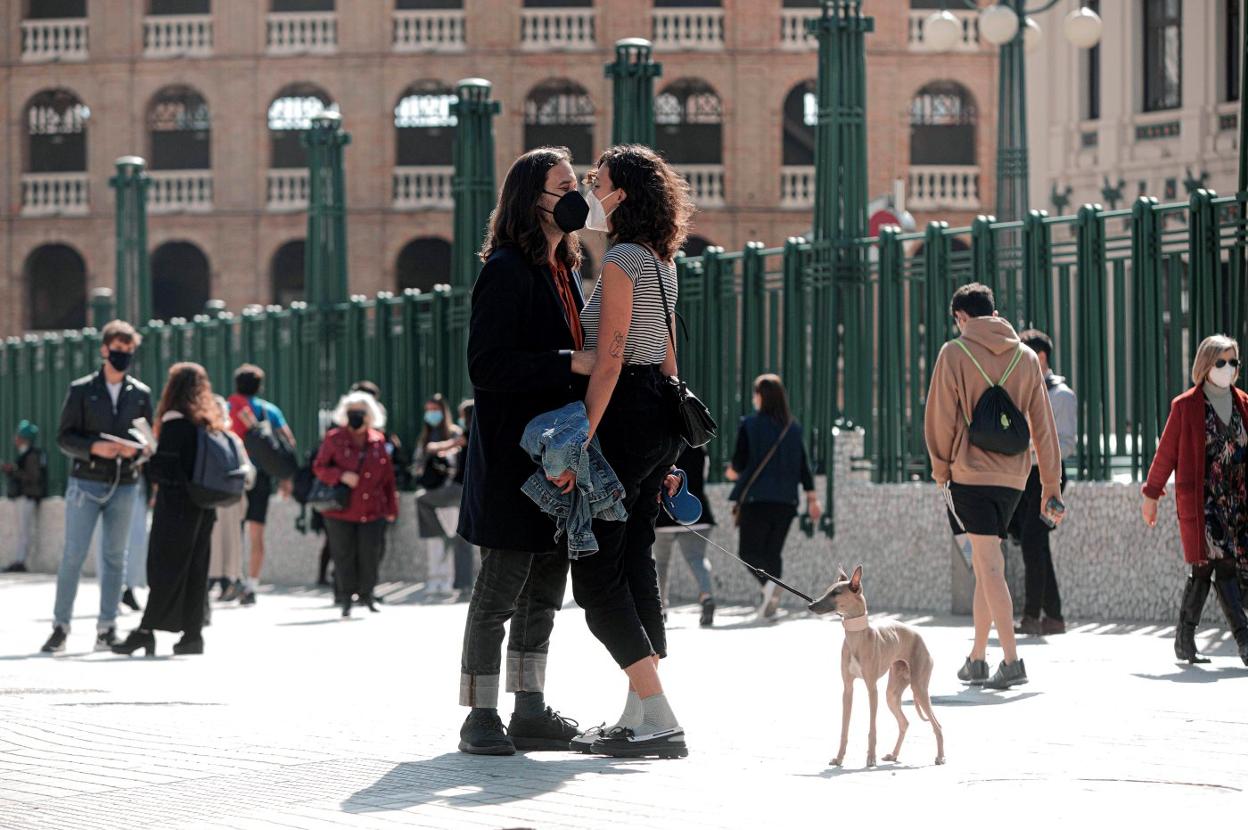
{"x":693,"y":420}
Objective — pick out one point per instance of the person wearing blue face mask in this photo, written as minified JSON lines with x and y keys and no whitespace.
{"x":437,"y":456}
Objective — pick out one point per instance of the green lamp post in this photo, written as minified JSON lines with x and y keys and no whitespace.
{"x":325,"y":262}
{"x":632,"y":75}
{"x":134,"y":284}
{"x":1008,"y":25}
{"x":473,"y":183}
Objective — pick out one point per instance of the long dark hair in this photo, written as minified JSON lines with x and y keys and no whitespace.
{"x":658,"y":210}
{"x":775,"y":400}
{"x":188,"y":390}
{"x":443,"y":429}
{"x":517,"y":219}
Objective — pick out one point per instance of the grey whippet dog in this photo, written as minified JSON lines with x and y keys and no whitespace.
{"x":868,"y":652}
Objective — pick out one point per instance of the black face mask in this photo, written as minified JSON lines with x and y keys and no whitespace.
{"x":119,"y":360}
{"x":355,"y":420}
{"x":570,"y":211}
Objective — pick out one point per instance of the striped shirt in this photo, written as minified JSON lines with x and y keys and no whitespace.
{"x":648,"y":330}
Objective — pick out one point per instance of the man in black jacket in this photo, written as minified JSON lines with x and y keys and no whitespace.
{"x":524,"y":348}
{"x":101,"y":480}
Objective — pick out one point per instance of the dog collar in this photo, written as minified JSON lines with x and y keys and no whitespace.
{"x":855,"y":623}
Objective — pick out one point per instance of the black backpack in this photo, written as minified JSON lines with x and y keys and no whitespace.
{"x":996,"y":424}
{"x":220,"y":478}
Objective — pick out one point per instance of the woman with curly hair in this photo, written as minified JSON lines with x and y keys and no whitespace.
{"x":644,"y":207}
{"x":179,"y":545}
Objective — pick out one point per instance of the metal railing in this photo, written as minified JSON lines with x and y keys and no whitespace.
{"x":428,"y":31}
{"x":177,"y":35}
{"x":62,"y":39}
{"x":411,"y":345}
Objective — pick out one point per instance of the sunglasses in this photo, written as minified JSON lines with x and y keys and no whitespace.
{"x":1234,"y":361}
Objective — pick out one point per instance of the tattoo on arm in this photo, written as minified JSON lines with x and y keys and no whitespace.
{"x":616,"y":349}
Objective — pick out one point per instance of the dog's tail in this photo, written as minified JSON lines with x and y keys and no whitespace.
{"x":918,"y":686}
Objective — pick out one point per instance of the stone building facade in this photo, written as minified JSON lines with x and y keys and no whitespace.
{"x":212,"y":92}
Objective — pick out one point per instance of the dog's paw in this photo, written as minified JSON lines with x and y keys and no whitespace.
{"x":940,"y":760}
{"x":836,"y":762}
{"x":870,"y":762}
{"x":890,"y":757}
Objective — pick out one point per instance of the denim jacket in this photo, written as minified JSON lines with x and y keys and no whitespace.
{"x":556,"y":441}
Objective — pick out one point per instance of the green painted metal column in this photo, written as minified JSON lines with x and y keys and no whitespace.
{"x":325,"y":257}
{"x":632,"y":82}
{"x":101,"y":306}
{"x":1012,"y":165}
{"x":473,"y":185}
{"x":133,"y":274}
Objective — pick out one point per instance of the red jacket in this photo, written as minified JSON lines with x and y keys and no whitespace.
{"x":375,"y":497}
{"x":1182,"y":452}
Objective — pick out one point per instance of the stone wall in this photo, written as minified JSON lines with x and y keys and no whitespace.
{"x":1109,"y":565}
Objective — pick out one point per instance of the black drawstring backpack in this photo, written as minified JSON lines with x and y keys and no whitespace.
{"x":996,"y":424}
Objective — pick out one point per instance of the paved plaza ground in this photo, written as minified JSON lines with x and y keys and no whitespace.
{"x":293,"y":719}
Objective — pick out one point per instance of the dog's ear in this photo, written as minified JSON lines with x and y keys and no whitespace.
{"x":841,"y":576}
{"x":855,"y":581}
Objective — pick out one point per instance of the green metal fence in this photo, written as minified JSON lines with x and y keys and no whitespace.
{"x":407,"y":344}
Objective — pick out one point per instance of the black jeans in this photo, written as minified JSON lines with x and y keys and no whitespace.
{"x":619,"y":585}
{"x":356,"y":549}
{"x":763,"y":530}
{"x":526,"y":588}
{"x":1032,"y":534}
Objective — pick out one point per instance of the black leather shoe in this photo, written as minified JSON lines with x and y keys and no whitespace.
{"x":56,"y":643}
{"x":1194,"y":594}
{"x":483,"y":734}
{"x":623,"y":742}
{"x":106,"y":639}
{"x":128,"y":600}
{"x":189,"y":644}
{"x":135,"y":640}
{"x":707,"y":617}
{"x":547,"y":731}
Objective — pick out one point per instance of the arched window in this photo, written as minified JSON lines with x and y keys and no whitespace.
{"x":180,"y":130}
{"x":290,"y":113}
{"x":424,"y":126}
{"x":180,"y":281}
{"x":286,"y":273}
{"x":56,"y":133}
{"x":695,"y":245}
{"x":56,"y":284}
{"x":560,"y":113}
{"x":942,"y":125}
{"x":423,"y":263}
{"x":801,"y":114}
{"x":689,"y":118}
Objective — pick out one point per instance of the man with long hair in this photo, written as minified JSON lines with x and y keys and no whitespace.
{"x":525,"y":347}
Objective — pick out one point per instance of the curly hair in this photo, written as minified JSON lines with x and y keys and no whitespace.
{"x":658,"y":210}
{"x":517,"y":219}
{"x":188,"y":390}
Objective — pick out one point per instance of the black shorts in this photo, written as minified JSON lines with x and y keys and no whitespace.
{"x":981,"y":509}
{"x":258,"y":498}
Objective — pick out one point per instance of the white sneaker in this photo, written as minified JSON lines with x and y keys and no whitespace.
{"x":770,"y":601}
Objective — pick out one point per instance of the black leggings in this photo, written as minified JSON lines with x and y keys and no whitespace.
{"x":764,"y":527}
{"x":356,"y":548}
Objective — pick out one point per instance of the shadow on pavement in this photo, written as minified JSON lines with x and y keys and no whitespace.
{"x":459,"y":780}
{"x":1197,"y":674}
{"x":977,"y":697}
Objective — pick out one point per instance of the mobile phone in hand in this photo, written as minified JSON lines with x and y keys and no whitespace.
{"x":1054,"y":505}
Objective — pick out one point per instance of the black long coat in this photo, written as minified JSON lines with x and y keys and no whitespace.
{"x":181,"y":537}
{"x":519,"y":361}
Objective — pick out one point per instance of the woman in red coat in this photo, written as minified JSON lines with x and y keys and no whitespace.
{"x":355,"y":454}
{"x":1205,"y":444}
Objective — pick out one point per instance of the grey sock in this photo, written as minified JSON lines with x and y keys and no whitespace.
{"x":530,"y":704}
{"x":484,"y":710}
{"x":631,"y":717}
{"x":656,"y":715}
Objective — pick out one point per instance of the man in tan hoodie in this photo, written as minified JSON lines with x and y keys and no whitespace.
{"x":983,"y":488}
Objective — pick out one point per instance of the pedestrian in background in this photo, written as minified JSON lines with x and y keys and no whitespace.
{"x":180,"y":541}
{"x":225,"y":563}
{"x":768,"y":465}
{"x":668,"y":534}
{"x":439,"y":460}
{"x":354,"y":453}
{"x":1027,"y":527}
{"x":1205,"y":446}
{"x":102,"y":479}
{"x":28,"y":486}
{"x":136,"y":544}
{"x":465,"y":553}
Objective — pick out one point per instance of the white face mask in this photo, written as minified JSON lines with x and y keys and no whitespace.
{"x":597,"y":219}
{"x":1222,"y":378}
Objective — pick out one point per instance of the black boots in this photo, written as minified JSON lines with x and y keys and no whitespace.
{"x":1194,"y":595}
{"x":1232,"y":601}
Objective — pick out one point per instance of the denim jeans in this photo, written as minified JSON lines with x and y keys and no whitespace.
{"x":694,"y":549}
{"x":136,"y":545}
{"x":87,"y":502}
{"x":618,"y":586}
{"x":527,"y":589}
{"x":27,"y":527}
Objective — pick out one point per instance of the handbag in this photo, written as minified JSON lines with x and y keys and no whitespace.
{"x":331,"y":498}
{"x":771,"y":453}
{"x":691,"y":417}
{"x":270,"y":451}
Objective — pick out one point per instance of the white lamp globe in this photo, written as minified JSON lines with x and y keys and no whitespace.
{"x":1033,"y":35}
{"x":941,"y":31}
{"x":998,"y":24}
{"x":1083,"y":27}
